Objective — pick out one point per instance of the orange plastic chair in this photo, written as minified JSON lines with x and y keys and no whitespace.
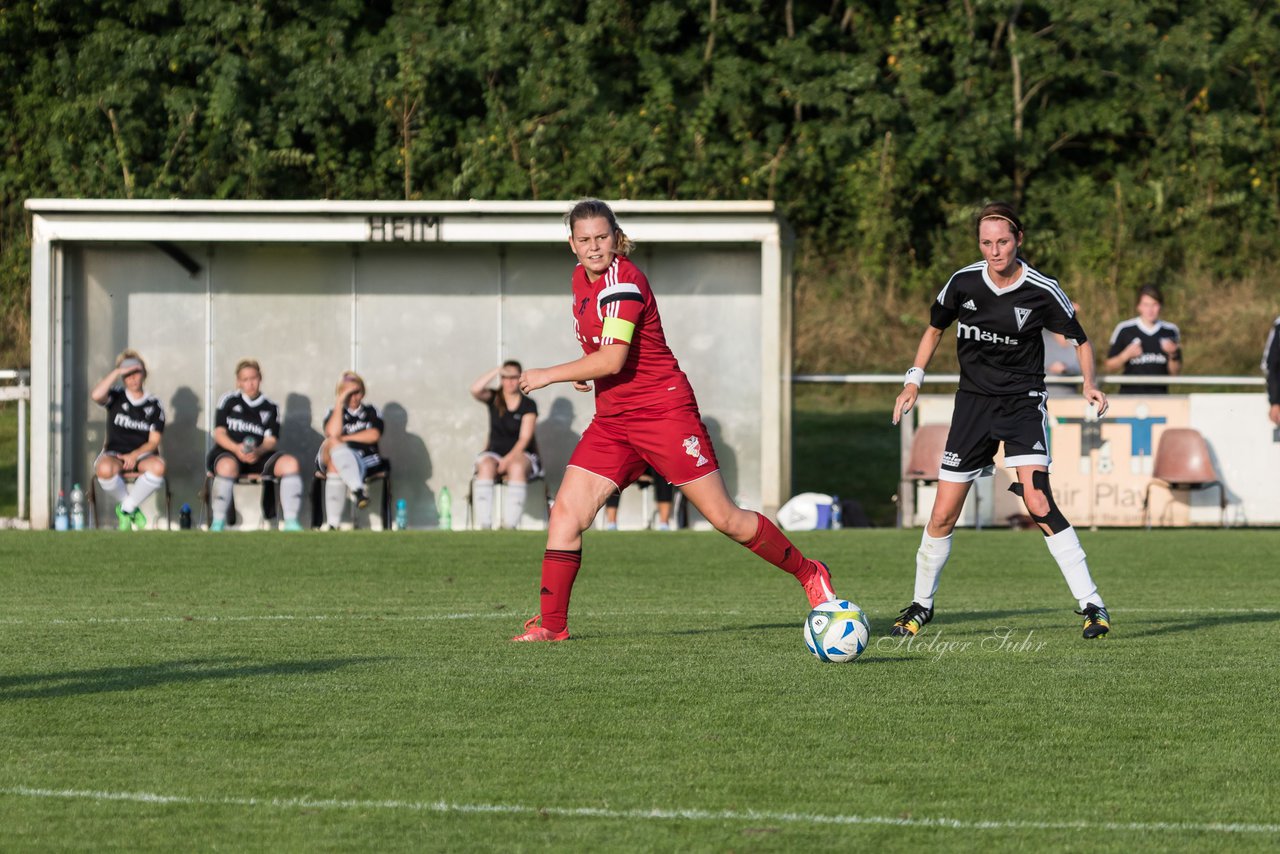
{"x":1183,"y":462}
{"x":925,"y":460}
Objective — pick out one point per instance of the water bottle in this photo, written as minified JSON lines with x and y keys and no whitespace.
{"x":184,"y":517}
{"x":77,"y":508}
{"x":402,"y":515}
{"x":837,"y":514}
{"x":445,"y":504}
{"x":249,"y":443}
{"x":61,"y":521}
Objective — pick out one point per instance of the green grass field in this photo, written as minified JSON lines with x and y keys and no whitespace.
{"x":8,"y":459}
{"x":357,"y":691}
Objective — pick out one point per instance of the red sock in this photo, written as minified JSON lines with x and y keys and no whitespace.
{"x":773,"y":545}
{"x":559,"y":569}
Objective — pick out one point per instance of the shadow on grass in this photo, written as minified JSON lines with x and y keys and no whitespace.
{"x":946,"y":618}
{"x":107,"y":679}
{"x":1206,"y":622}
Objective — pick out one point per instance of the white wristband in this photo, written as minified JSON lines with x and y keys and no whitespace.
{"x":915,"y":376}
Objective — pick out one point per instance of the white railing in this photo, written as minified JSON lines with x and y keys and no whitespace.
{"x":1105,"y":380}
{"x":14,"y":386}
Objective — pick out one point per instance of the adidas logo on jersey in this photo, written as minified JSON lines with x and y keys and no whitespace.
{"x":969,"y":305}
{"x":1037,"y":447}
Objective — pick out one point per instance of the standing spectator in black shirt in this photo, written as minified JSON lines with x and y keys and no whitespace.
{"x":1000,"y":305}
{"x":135,"y":421}
{"x":1271,"y":365}
{"x":1146,"y":346}
{"x":512,"y":450}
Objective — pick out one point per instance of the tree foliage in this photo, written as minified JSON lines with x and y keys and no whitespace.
{"x":1141,"y":138}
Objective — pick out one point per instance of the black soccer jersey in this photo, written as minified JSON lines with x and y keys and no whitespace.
{"x":242,"y":418}
{"x":998,"y":340}
{"x":1152,"y":361}
{"x":504,"y":428}
{"x":1271,"y":363}
{"x":129,"y":424}
{"x":365,"y":417}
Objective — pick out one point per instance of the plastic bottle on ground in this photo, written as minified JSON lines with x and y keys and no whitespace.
{"x":77,"y":508}
{"x":61,"y":518}
{"x":402,"y":515}
{"x":445,"y":505}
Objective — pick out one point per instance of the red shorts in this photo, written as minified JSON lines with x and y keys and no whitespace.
{"x":620,"y":447}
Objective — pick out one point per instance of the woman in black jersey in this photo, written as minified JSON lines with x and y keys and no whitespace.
{"x":1000,"y":306}
{"x":512,"y":450}
{"x":246,"y":438}
{"x":135,"y":421}
{"x":350,"y":450}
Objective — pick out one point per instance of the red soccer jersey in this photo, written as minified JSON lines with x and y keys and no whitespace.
{"x":619,"y":307}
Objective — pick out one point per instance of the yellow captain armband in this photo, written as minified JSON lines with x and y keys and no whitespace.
{"x":618,"y":329}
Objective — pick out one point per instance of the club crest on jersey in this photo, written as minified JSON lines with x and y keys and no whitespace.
{"x":265,"y":416}
{"x":1021,"y":315}
{"x":582,"y":307}
{"x":693,"y":448}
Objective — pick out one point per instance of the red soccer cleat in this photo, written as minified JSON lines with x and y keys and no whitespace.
{"x":534,"y":632}
{"x":818,"y":587}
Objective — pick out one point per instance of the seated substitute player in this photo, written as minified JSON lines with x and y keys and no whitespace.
{"x":1271,"y":366}
{"x":245,"y":436}
{"x":1000,"y":305}
{"x":663,"y":493}
{"x":646,"y":414}
{"x":1146,"y":346}
{"x":350,"y":453}
{"x":512,"y":449}
{"x":135,"y":422}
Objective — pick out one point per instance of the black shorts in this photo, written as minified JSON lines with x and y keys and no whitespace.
{"x":264,"y":466}
{"x":370,"y":464}
{"x":981,"y":422}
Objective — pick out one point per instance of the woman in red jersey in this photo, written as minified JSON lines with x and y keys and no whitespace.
{"x":646,"y":414}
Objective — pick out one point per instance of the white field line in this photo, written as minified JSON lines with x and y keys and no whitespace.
{"x":491,"y":615}
{"x":753,"y":816}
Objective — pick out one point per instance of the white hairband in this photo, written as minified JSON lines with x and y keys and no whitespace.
{"x":1016,"y":227}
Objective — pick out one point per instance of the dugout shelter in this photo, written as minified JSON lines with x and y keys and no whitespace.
{"x":418,"y":297}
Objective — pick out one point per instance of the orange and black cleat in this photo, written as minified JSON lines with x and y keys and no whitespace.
{"x":1096,"y":621}
{"x":911,"y":620}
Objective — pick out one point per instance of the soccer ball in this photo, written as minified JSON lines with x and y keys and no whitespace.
{"x":837,"y":631}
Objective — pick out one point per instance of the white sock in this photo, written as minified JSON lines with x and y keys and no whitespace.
{"x":291,"y":496}
{"x":1067,"y":551}
{"x":335,"y":499}
{"x":222,"y":487}
{"x":513,"y":504}
{"x":482,"y":501}
{"x":931,"y":557}
{"x":344,"y":460}
{"x":115,"y":488}
{"x":146,"y":484}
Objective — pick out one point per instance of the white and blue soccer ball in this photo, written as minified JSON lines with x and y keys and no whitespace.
{"x":837,"y":631}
